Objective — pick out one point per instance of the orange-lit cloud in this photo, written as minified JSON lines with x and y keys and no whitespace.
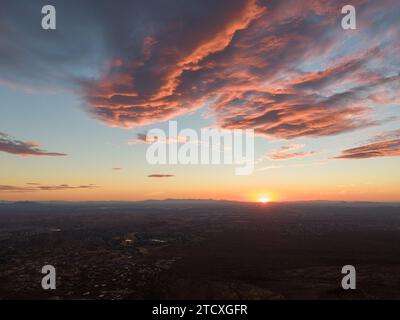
{"x":148,"y":90}
{"x":246,"y":59}
{"x":284,"y":68}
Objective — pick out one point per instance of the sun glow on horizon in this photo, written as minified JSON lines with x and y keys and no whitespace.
{"x":264,"y":199}
{"x":262,"y":196}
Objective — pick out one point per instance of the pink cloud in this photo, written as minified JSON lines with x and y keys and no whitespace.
{"x":284,"y":153}
{"x":246,"y":58}
{"x":10,"y":145}
{"x":387,"y":148}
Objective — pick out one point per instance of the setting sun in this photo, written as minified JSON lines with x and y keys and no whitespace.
{"x":264,"y":199}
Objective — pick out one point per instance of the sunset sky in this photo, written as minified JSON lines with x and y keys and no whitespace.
{"x":324,"y":102}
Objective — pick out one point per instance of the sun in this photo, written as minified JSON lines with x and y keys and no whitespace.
{"x":264,"y":199}
{"x":262,"y":196}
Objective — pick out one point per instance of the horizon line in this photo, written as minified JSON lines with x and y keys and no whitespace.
{"x":197,"y":199}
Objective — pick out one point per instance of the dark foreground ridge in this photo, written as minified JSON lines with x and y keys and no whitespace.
{"x":199,"y":249}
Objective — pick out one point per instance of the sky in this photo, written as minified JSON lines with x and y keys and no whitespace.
{"x":323,"y":101}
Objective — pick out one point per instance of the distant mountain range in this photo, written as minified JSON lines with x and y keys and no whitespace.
{"x":178,"y":202}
